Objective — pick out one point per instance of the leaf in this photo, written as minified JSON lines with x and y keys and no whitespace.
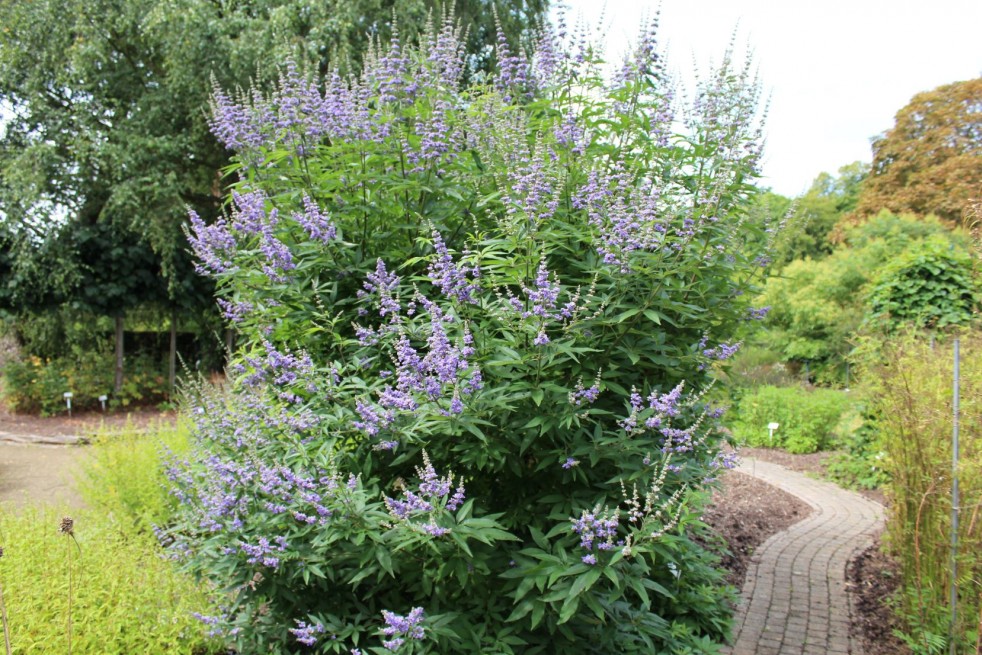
{"x":538,"y":611}
{"x":653,"y":316}
{"x":568,"y":609}
{"x":539,"y":538}
{"x":623,"y":316}
{"x":384,"y":559}
{"x":520,"y":611}
{"x":586,"y":581}
{"x":525,"y":586}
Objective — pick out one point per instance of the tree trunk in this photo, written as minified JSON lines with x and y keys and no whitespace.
{"x":119,"y":354}
{"x":172,"y":361}
{"x":229,"y":344}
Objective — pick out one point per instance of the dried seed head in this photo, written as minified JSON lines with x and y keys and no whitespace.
{"x":67,"y":526}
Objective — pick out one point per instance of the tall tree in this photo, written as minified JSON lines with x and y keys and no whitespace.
{"x":105,"y":107}
{"x":930,"y":162}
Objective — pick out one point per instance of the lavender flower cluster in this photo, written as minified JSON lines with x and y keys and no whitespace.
{"x":432,"y":494}
{"x":255,"y":228}
{"x":306,"y":633}
{"x":381,"y":288}
{"x":400,"y":628}
{"x":456,"y":282}
{"x":285,"y":371}
{"x":441,"y":373}
{"x":720,"y":352}
{"x":541,"y":309}
{"x":233,"y":486}
{"x":299,"y":115}
{"x":658,"y":408}
{"x":580,"y":395}
{"x":628,"y":218}
{"x":598,"y":531}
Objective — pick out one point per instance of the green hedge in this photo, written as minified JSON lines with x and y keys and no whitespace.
{"x":807,"y":418}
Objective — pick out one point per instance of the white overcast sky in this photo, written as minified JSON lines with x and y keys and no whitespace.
{"x":836,"y":71}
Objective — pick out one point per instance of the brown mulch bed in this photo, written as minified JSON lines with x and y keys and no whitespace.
{"x":872,"y":578}
{"x":81,"y":423}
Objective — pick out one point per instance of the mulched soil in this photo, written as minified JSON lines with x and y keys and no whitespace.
{"x":81,"y":423}
{"x":873,"y":577}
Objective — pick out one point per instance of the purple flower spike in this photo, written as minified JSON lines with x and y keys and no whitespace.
{"x":306,"y":634}
{"x":399,"y":628}
{"x":449,"y":277}
{"x":315,"y":223}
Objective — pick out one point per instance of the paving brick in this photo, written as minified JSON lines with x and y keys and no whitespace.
{"x":794,"y":601}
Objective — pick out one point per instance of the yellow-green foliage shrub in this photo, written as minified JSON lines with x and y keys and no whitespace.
{"x":126,"y":599}
{"x":124,"y":477}
{"x":909,"y":386}
{"x":807,"y":418}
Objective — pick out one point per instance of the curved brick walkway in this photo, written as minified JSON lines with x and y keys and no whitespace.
{"x":794,"y":599}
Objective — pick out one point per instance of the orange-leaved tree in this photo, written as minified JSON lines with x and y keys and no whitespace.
{"x":930,"y":162}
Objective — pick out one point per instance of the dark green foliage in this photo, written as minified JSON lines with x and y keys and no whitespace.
{"x":932,"y":285}
{"x":807,"y":418}
{"x":615,"y":257}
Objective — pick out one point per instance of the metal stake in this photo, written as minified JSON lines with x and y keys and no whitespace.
{"x":954,"y":509}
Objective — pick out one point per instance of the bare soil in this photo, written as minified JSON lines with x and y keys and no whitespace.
{"x":874,"y":578}
{"x":83,"y":424}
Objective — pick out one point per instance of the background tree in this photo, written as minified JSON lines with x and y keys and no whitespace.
{"x":887,"y":271}
{"x":814,"y":215}
{"x":106,"y":120}
{"x":930,"y":162}
{"x":931,"y":286}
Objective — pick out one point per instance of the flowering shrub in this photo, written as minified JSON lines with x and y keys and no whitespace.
{"x":478,"y":322}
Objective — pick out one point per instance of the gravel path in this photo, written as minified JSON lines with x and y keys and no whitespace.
{"x":794,"y":599}
{"x":38,"y":473}
{"x":40,"y":458}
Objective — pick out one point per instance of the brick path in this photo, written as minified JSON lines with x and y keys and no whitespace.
{"x":794,"y":598}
